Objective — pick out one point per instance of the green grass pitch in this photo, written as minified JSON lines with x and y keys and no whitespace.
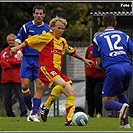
{"x":57,"y":124}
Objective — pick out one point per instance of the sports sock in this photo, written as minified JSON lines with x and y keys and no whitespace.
{"x":28,"y":102}
{"x":53,"y":96}
{"x":123,"y":99}
{"x":36,"y":105}
{"x":70,"y":107}
{"x":112,"y":105}
{"x":126,"y":120}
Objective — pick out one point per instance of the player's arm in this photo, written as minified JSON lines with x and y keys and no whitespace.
{"x":16,"y":43}
{"x":72,"y":52}
{"x":19,"y":39}
{"x":86,"y":61}
{"x":36,"y":42}
{"x":16,"y":48}
{"x":24,"y":44}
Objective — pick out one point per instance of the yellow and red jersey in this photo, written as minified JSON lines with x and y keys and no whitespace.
{"x":51,"y":50}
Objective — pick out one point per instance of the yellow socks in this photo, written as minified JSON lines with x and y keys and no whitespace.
{"x":53,"y":96}
{"x":70,"y":102}
{"x":70,"y":107}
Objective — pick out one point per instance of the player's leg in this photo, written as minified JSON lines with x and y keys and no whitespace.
{"x":124,"y":123}
{"x":39,"y":86}
{"x":109,"y":103}
{"x":53,"y":79}
{"x":48,"y":79}
{"x":25,"y":82}
{"x":70,"y":103}
{"x":37,"y":100}
{"x":53,"y":96}
{"x":113,"y":86}
{"x":123,"y":99}
{"x":65,"y":88}
{"x":26,"y":76}
{"x":55,"y":93}
{"x":65,"y":83}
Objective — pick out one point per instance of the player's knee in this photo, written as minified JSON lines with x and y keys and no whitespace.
{"x":63,"y":84}
{"x":72,"y":93}
{"x":40,"y":86}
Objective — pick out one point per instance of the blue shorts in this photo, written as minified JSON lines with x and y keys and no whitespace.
{"x":117,"y":79}
{"x":29,"y":67}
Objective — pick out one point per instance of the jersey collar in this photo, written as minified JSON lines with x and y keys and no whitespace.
{"x":37,"y":25}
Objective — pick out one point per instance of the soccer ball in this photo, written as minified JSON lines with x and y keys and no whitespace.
{"x":79,"y":119}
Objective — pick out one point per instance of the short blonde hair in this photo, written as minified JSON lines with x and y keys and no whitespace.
{"x":54,"y":20}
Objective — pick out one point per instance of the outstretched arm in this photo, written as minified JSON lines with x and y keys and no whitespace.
{"x":86,"y":61}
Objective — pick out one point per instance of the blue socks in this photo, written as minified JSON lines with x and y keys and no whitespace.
{"x":28,"y":102}
{"x":112,"y":105}
{"x":36,"y":105}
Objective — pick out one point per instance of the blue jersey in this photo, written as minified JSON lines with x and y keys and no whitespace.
{"x":112,"y":46}
{"x":30,"y":29}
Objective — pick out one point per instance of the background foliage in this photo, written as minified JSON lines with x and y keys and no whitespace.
{"x":14,"y":14}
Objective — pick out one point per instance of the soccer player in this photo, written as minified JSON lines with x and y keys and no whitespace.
{"x":52,"y":47}
{"x":29,"y":67}
{"x":112,"y":47}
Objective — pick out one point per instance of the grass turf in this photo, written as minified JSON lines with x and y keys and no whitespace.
{"x":57,"y":124}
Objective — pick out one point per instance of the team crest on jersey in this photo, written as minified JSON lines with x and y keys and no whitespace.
{"x":43,"y":32}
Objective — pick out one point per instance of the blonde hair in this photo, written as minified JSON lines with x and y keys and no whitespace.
{"x":54,"y":20}
{"x":11,"y":34}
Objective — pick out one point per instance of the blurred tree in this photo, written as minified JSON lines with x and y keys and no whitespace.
{"x":14,"y":14}
{"x":77,"y":15}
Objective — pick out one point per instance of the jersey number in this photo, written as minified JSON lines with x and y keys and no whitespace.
{"x":115,"y":45}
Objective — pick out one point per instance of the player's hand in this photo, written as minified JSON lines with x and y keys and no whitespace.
{"x":89,"y":62}
{"x":13,"y":50}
